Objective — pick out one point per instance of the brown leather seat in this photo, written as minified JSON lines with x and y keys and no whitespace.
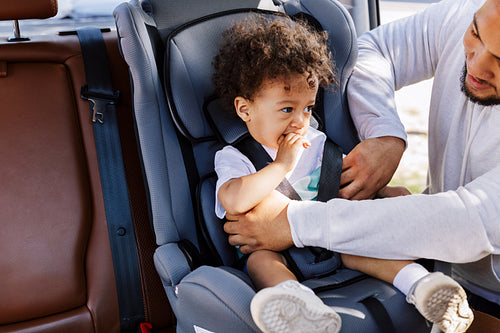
{"x":56,"y":270}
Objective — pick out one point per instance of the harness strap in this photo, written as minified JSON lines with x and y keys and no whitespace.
{"x":249,"y":147}
{"x":328,"y":187}
{"x":331,"y":168}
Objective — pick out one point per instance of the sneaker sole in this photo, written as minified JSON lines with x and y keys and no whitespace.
{"x":448,"y":308}
{"x":288,"y":313}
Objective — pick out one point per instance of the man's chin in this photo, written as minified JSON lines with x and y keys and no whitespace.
{"x":485,"y":101}
{"x":473,"y":97}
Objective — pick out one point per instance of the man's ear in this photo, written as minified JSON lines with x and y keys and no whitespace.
{"x":242,"y":107}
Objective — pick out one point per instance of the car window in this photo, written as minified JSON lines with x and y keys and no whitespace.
{"x":72,"y":14}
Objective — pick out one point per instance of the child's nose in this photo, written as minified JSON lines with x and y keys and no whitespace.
{"x":298,"y":120}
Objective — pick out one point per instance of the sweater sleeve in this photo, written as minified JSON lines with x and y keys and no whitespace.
{"x":454,"y":226}
{"x":392,"y":56}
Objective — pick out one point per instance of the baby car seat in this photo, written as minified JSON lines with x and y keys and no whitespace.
{"x":169,"y":47}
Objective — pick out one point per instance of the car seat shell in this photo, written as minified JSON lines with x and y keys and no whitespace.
{"x":170,"y":65}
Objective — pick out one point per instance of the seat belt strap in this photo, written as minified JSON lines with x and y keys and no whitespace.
{"x":328,"y":186}
{"x":331,"y":168}
{"x":102,"y":99}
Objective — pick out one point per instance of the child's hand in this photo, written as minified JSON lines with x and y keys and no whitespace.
{"x":392,"y":191}
{"x":288,"y":149}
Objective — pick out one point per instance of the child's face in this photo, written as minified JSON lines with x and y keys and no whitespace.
{"x":278,"y":108}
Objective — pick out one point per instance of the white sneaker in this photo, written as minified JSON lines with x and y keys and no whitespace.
{"x":292,"y":307}
{"x":441,"y":300}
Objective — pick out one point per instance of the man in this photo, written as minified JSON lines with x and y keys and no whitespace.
{"x":458,"y":219}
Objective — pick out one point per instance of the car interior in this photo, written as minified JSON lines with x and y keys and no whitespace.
{"x":71,"y":261}
{"x":56,"y":264}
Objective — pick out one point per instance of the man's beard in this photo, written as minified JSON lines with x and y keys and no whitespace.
{"x":481,"y":101}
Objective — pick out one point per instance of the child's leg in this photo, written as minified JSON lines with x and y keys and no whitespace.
{"x":439,"y":298}
{"x":401,"y":273}
{"x":385,"y":270}
{"x":268,"y":269}
{"x":283,"y":304}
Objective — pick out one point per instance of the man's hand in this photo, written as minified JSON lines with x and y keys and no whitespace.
{"x":369,"y":167}
{"x":264,"y":227}
{"x":392,"y":191}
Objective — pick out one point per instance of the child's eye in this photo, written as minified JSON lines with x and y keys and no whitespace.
{"x":287,"y":110}
{"x":309,"y":108}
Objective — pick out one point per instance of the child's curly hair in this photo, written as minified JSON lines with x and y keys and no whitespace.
{"x":258,"y":48}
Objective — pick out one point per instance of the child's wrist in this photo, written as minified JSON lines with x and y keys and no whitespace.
{"x":283,"y":167}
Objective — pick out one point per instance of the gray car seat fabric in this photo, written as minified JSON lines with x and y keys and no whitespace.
{"x":169,"y":46}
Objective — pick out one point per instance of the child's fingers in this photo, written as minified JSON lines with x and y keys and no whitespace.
{"x":293,"y":138}
{"x":280,"y":139}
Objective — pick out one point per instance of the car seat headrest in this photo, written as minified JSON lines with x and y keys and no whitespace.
{"x":190,"y":50}
{"x":168,"y":15}
{"x":227,"y":126}
{"x":28,"y":9}
{"x":188,"y":62}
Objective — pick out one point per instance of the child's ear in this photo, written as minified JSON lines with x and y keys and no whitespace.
{"x":242,"y":107}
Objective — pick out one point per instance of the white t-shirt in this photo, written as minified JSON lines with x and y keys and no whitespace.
{"x":231,"y":163}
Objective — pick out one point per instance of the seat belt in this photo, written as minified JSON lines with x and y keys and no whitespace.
{"x":102,"y":98}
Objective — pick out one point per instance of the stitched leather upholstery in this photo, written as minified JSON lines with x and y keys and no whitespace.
{"x":28,"y":9}
{"x":55,"y":263}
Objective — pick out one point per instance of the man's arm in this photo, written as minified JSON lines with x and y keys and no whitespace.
{"x":390,"y":57}
{"x":455,"y":226}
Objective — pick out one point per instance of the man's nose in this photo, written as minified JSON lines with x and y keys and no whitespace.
{"x":480,"y":64}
